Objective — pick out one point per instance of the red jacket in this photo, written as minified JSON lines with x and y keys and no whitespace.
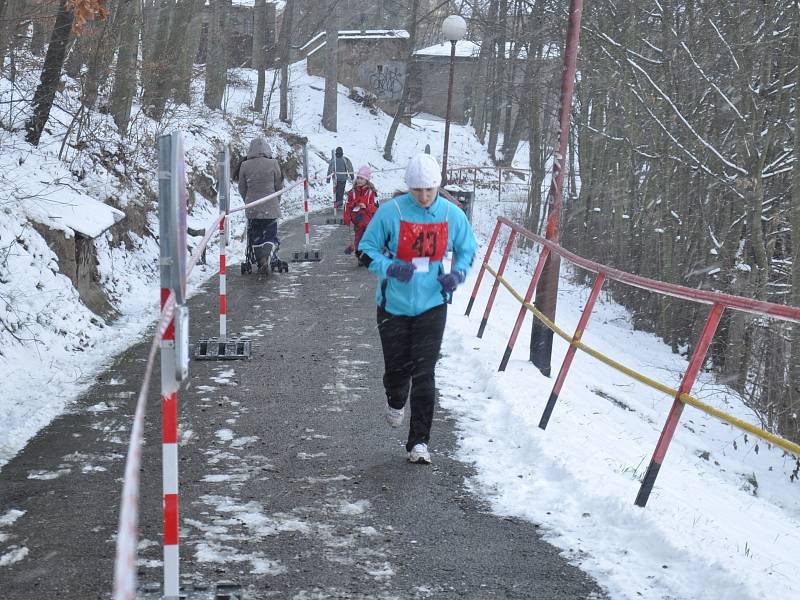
{"x":360,"y":206}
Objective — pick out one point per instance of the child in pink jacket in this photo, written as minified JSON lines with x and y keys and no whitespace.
{"x":361,"y":206}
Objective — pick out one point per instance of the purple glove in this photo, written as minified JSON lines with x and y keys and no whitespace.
{"x":402,"y":271}
{"x":451,"y":281}
{"x":348,"y":250}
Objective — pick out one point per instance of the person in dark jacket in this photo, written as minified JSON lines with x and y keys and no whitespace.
{"x":260,"y":175}
{"x":340,"y":170}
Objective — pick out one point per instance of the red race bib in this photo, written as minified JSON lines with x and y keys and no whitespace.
{"x":422,"y":239}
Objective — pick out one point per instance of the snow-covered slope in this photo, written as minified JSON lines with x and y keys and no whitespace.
{"x":723,"y":519}
{"x":49,"y":340}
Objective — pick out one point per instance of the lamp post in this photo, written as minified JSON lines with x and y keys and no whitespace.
{"x":453,"y":28}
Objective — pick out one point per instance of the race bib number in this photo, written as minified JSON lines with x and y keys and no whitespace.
{"x":422,"y":239}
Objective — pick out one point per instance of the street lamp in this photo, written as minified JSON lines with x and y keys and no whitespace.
{"x":453,"y":28}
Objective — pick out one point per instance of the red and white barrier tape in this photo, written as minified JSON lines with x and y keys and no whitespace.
{"x":127,"y":533}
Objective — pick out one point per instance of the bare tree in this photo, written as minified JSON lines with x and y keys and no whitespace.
{"x":217,"y":60}
{"x":259,"y":53}
{"x":401,"y":105}
{"x":51,"y":74}
{"x":125,"y":74}
{"x":331,"y":60}
{"x":285,"y":45}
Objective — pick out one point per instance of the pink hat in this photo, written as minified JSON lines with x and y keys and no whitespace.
{"x":364,"y":172}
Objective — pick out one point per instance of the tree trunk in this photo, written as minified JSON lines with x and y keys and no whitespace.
{"x":791,"y":422}
{"x":40,"y":27}
{"x":8,"y":25}
{"x":101,"y":55}
{"x":125,"y":75}
{"x":184,"y":46}
{"x":286,"y":53}
{"x":156,"y":68}
{"x":482,"y":73}
{"x":331,"y":75}
{"x":216,"y":61}
{"x":499,"y":79}
{"x":151,"y":19}
{"x":401,"y":105}
{"x":513,"y":135}
{"x":259,"y":51}
{"x":51,"y":74}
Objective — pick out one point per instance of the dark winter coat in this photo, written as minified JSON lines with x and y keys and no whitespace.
{"x":343,"y":168}
{"x":260,"y":176}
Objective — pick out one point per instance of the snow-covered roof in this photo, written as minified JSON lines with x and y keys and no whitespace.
{"x":464,"y":49}
{"x":374,"y":33}
{"x":468,"y":49}
{"x":357,"y":34}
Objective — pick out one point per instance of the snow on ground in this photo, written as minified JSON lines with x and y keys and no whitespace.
{"x":49,"y":341}
{"x":723,"y":519}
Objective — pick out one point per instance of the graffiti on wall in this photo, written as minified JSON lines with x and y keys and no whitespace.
{"x":386,"y":82}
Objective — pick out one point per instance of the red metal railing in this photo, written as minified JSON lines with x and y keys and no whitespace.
{"x":718,"y":301}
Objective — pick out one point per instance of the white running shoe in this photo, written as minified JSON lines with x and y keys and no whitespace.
{"x":394,"y":416}
{"x":419,"y":454}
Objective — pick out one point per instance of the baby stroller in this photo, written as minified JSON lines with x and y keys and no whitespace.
{"x":250,"y":261}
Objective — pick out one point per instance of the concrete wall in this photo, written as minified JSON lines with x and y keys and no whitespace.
{"x":430,"y":77}
{"x":378,"y":65}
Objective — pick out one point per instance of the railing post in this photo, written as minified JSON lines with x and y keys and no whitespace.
{"x":483,"y":267}
{"x":499,"y":183}
{"x":223,"y":194}
{"x":537,"y":273}
{"x":223,"y":284}
{"x":172,"y":230}
{"x":696,"y":362}
{"x":573,"y":347}
{"x":500,"y":271}
{"x":334,"y":176}
{"x":305,"y":195}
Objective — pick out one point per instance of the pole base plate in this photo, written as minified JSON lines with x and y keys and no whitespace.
{"x":213,"y":349}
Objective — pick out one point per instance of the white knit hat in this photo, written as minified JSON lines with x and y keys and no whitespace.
{"x":423,"y":172}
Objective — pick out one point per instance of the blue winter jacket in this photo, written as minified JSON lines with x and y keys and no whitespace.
{"x":380,"y":241}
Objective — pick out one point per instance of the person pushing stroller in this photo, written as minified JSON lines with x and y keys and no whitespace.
{"x":260,"y":175}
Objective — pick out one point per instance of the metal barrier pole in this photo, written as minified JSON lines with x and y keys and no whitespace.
{"x":223,"y":285}
{"x":503,"y":262}
{"x":474,"y":183}
{"x":537,"y":273}
{"x":223,"y":194}
{"x":174,"y":347}
{"x":305,"y":195}
{"x":573,"y":347}
{"x":483,"y":268}
{"x":696,"y":362}
{"x":334,"y":175}
{"x":499,"y":183}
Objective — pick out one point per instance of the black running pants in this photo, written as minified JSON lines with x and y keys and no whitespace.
{"x":410,"y":350}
